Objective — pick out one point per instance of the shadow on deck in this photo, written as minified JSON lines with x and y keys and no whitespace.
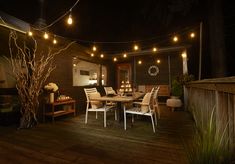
{"x":69,"y":140}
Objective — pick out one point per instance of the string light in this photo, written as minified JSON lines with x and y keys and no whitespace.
{"x":175,"y":39}
{"x":139,"y":62}
{"x":158,"y":61}
{"x":46,"y":36}
{"x":154,"y":49}
{"x":30,"y":33}
{"x":54,"y":41}
{"x":115,"y":59}
{"x":92,"y":55}
{"x":102,"y":55}
{"x":124,"y":55}
{"x":59,"y":18}
{"x":70,"y":20}
{"x":94,"y":48}
{"x":136,"y":47}
{"x":192,"y":35}
{"x":184,"y":55}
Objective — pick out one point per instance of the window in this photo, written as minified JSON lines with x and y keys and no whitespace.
{"x":87,"y":73}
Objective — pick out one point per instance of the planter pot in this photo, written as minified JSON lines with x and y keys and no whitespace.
{"x":174,"y":103}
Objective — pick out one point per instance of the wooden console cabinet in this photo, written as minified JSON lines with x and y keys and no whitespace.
{"x":59,"y":108}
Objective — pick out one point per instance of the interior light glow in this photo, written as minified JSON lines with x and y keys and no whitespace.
{"x":102,"y":55}
{"x":92,"y":55}
{"x":114,"y":59}
{"x":124,"y":55}
{"x":139,"y":62}
{"x":158,"y":61}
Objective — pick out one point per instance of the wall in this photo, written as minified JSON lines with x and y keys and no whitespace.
{"x":143,"y":77}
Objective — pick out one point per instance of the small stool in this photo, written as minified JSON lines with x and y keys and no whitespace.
{"x":173,"y":103}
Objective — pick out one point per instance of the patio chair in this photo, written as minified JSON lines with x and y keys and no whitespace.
{"x":144,"y":108}
{"x":109,"y":91}
{"x":155,"y":101}
{"x":95,"y":106}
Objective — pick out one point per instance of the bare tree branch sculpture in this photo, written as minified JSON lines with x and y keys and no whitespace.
{"x":30,"y":70}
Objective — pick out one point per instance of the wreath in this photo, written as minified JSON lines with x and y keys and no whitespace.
{"x":153,"y":70}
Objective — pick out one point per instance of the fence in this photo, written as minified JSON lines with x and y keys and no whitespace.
{"x":217,"y":93}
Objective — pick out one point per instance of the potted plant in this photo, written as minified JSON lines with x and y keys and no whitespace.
{"x":176,"y":89}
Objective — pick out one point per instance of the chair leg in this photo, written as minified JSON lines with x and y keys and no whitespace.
{"x":158,"y":112}
{"x":115,"y":114}
{"x":86,"y":117}
{"x":153,"y":123}
{"x":96,"y":115}
{"x":105,"y":119}
{"x":155,"y":117}
{"x":124,"y":108}
{"x":132,"y":118}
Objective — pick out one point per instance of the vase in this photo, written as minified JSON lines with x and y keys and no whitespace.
{"x":51,"y":97}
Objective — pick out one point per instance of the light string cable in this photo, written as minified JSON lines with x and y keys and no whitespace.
{"x":59,"y":18}
{"x":181,"y":31}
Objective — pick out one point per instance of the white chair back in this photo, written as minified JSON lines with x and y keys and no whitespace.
{"x":88,"y":92}
{"x":145,"y":107}
{"x":109,"y":90}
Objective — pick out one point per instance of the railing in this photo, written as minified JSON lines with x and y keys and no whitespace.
{"x":205,"y":95}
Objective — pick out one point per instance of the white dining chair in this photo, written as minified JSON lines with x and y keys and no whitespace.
{"x":110,"y":91}
{"x":155,"y":101}
{"x":95,"y":106}
{"x":144,"y":108}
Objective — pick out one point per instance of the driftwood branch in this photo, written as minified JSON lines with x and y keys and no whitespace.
{"x":31,"y":70}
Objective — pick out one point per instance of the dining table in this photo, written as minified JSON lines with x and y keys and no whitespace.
{"x":122,"y":100}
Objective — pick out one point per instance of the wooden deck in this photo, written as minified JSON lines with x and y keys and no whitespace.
{"x":69,"y":140}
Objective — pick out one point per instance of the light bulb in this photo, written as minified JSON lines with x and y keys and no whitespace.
{"x":70,"y":20}
{"x":101,"y":55}
{"x":184,"y":55}
{"x":114,"y":59}
{"x":94,"y":48}
{"x":46,"y":36}
{"x":139,"y":62}
{"x":124,"y":55}
{"x":175,"y":39}
{"x":30,"y":33}
{"x":54,"y":41}
{"x":192,"y":35}
{"x":154,"y":49}
{"x":136,"y":47}
{"x":92,"y":55}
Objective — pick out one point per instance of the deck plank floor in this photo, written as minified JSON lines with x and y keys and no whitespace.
{"x":69,"y":140}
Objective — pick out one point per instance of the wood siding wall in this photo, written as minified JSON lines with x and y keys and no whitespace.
{"x":176,"y":68}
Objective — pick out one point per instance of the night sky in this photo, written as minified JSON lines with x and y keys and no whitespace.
{"x":111,"y":20}
{"x":116,"y":25}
